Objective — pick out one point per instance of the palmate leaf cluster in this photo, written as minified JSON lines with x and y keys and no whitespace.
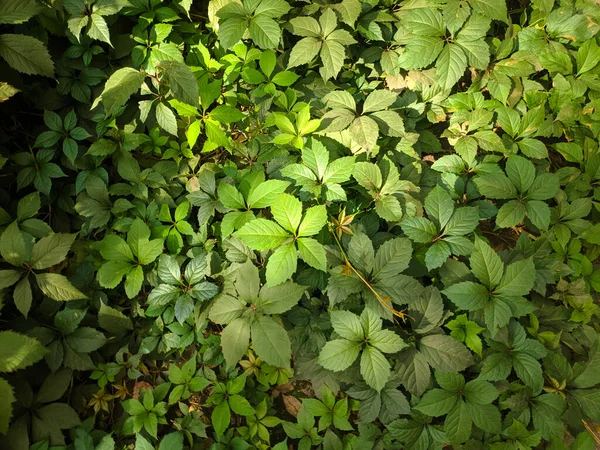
{"x":275,"y":224}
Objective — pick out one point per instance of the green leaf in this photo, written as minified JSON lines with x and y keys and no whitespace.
{"x":518,"y":280}
{"x":234,"y":340}
{"x":496,"y":186}
{"x":51,"y":250}
{"x":588,"y":56}
{"x":496,"y":366}
{"x":544,"y":187}
{"x":392,"y":258}
{"x":529,"y":371}
{"x":539,"y":214}
{"x":477,"y":51}
{"x":494,"y":9}
{"x":339,"y":170}
{"x":463,"y":221}
{"x":133,"y":281}
{"x":386,"y":341}
{"x":282,"y":264}
{"x":172,"y":441}
{"x":437,"y":402}
{"x":374,"y":368}
{"x":361,"y":253}
{"x":115,"y":248}
{"x":148,"y":251}
{"x":8,"y":398}
{"x":450,"y":66}
{"x":316,"y":158}
{"x":313,"y":253}
{"x":240,"y":405}
{"x":589,"y":376}
{"x":113,"y":320}
{"x":437,"y":255}
{"x":287,"y":211}
{"x":57,"y":287}
{"x":425,"y":22}
{"x":85,"y":340}
{"x":388,"y":208}
{"x":414,"y":372}
{"x":182,"y":81}
{"x":285,"y":78}
{"x":98,"y":29}
{"x":313,"y":221}
{"x":26,"y":55}
{"x":521,"y":172}
{"x":226,"y":308}
{"x":118,"y":88}
{"x":439,"y":206}
{"x":23,"y":296}
{"x":557,"y":62}
{"x":232,"y":30}
{"x":184,"y":307}
{"x":9,"y":277}
{"x":480,"y":392}
{"x":511,"y":214}
{"x":339,"y":354}
{"x":347,"y":325}
{"x":458,"y":424}
{"x":265,"y":193}
{"x":7,"y":91}
{"x":281,"y":298}
{"x":467,"y":295}
{"x":546,"y":411}
{"x":379,"y":100}
{"x":220,"y":418}
{"x":332,"y":56}
{"x":486,"y":264}
{"x":271,"y":342}
{"x":166,"y":118}
{"x":340,"y":99}
{"x":15,"y":12}
{"x":262,"y":234}
{"x":18,"y":351}
{"x":230,"y":197}
{"x":28,"y":206}
{"x":102,"y":147}
{"x":445,"y":354}
{"x":264,"y":31}
{"x":111,"y":273}
{"x":305,"y":26}
{"x":226,"y":114}
{"x":304,"y":51}
{"x":419,"y":229}
{"x":497,"y":314}
{"x":487,"y":417}
{"x":12,"y":245}
{"x":365,"y":132}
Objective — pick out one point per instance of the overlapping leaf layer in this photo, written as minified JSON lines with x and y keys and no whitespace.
{"x":255,"y":224}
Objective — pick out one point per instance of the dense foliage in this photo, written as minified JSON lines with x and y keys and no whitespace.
{"x":368,"y":224}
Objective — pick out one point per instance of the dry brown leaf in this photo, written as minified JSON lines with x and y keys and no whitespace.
{"x":292,"y":404}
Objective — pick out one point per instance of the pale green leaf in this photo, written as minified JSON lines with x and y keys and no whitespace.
{"x":118,"y":88}
{"x":450,"y":66}
{"x":234,"y":340}
{"x":374,"y":368}
{"x":282,"y":264}
{"x":51,"y":250}
{"x":271,"y":341}
{"x":312,"y":253}
{"x":57,"y":287}
{"x":262,"y":234}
